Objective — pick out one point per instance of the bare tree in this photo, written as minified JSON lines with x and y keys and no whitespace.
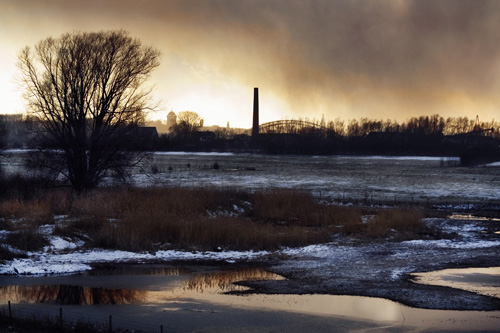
{"x":86,"y":89}
{"x":187,"y":123}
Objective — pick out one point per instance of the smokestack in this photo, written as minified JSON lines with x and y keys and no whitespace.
{"x":255,"y":126}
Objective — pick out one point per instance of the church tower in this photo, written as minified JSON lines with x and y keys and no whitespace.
{"x":171,"y":120}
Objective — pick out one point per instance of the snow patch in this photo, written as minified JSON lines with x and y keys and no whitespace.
{"x":79,"y":261}
{"x":59,"y":243}
{"x":453,"y":244}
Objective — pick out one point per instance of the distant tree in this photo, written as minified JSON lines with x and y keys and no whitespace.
{"x":86,"y":89}
{"x":187,"y":123}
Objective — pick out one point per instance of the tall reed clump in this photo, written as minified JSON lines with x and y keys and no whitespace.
{"x":26,"y":240}
{"x":397,"y":224}
{"x":300,"y":208}
{"x":6,"y":254}
{"x":37,"y":210}
{"x":158,"y":218}
{"x":154,"y":218}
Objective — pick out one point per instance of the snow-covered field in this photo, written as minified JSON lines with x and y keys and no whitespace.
{"x":338,"y":178}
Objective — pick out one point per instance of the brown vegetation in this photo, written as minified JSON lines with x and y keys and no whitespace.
{"x":150,"y":219}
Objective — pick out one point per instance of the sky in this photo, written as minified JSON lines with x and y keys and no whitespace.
{"x":347,"y":59}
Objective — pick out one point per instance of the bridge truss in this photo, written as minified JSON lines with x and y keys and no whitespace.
{"x":290,"y":127}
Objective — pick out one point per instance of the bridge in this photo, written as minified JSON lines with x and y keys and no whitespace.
{"x":290,"y":127}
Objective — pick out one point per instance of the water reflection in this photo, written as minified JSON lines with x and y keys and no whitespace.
{"x":148,"y":270}
{"x":225,"y":281}
{"x":472,"y":218}
{"x":484,"y":281}
{"x":213,"y":283}
{"x":71,"y":295}
{"x":206,"y":294}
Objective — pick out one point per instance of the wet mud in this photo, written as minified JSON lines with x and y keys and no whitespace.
{"x":384,"y":269}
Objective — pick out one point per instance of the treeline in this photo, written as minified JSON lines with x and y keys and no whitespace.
{"x":428,"y":125}
{"x":426,"y":135}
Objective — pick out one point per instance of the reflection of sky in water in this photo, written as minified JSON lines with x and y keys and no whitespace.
{"x":191,"y":284}
{"x":209,"y":290}
{"x":485,"y":281}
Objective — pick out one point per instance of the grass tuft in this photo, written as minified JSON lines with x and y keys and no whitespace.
{"x":27,"y":240}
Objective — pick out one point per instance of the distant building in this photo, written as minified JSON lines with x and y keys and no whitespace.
{"x":143,"y":138}
{"x":11,"y":117}
{"x":171,"y":120}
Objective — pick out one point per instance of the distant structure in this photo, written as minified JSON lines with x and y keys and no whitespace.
{"x":171,"y":120}
{"x":11,"y":117}
{"x":255,"y":126}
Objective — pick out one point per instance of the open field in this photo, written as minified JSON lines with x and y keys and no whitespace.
{"x":339,"y":179}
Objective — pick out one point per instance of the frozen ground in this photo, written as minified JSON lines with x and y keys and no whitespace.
{"x":344,"y":266}
{"x":339,"y":178}
{"x":377,"y":179}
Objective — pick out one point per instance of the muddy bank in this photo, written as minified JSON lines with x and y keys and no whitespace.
{"x":383,"y":269}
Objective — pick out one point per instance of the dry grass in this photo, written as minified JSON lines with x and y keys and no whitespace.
{"x":203,"y":234}
{"x":149,"y":219}
{"x":6,"y":254}
{"x":291,"y":207}
{"x":397,"y":224}
{"x":26,"y":240}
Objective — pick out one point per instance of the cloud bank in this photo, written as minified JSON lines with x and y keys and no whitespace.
{"x":345,"y":58}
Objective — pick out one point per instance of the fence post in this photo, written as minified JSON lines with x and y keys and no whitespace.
{"x":161,"y":328}
{"x":60,"y":317}
{"x":110,"y":324}
{"x":10,"y":315}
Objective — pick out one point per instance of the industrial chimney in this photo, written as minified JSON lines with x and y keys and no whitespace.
{"x":255,"y":126}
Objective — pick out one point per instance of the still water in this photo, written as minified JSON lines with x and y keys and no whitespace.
{"x":210,"y":299}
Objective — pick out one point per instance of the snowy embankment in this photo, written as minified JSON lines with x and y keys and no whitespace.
{"x":65,"y":257}
{"x":56,"y":259}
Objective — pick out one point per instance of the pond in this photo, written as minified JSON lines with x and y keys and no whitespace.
{"x":184,"y":299}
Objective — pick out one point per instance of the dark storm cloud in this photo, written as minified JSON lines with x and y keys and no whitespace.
{"x":406,"y":54}
{"x":375,"y":58}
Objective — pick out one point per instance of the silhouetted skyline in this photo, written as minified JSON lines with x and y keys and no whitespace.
{"x":349,"y":59}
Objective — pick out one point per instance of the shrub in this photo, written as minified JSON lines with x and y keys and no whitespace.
{"x":6,"y":254}
{"x":26,"y":240}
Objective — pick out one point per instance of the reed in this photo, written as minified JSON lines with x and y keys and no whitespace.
{"x":154,"y":218}
{"x":26,"y":240}
{"x":396,"y":224}
{"x":292,"y":207}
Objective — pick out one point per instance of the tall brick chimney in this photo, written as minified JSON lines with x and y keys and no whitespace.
{"x":255,"y":126}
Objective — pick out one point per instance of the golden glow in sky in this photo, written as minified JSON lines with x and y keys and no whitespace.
{"x":381,"y":59}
